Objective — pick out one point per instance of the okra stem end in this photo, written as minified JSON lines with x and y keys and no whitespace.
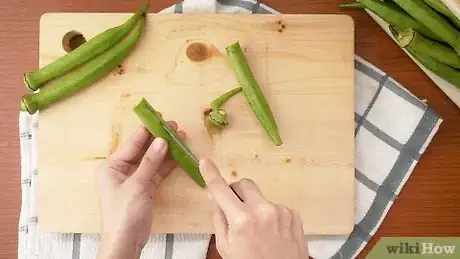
{"x":218,"y":118}
{"x":29,"y":82}
{"x":28,"y":104}
{"x":405,"y":37}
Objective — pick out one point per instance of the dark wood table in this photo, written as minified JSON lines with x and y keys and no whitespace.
{"x":427,"y":206}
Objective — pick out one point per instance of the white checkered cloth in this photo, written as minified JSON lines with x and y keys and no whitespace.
{"x":393,"y":129}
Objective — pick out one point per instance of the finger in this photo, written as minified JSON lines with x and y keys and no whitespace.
{"x":151,"y":161}
{"x":248,"y":190}
{"x":285,"y":220}
{"x":182,"y":135}
{"x":220,"y":190}
{"x":220,"y":225}
{"x":134,"y":147}
{"x":136,"y":159}
{"x":297,"y":227}
{"x":173,"y":125}
{"x":166,"y":168}
{"x":105,"y":176}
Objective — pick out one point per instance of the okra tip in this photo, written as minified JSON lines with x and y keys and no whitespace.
{"x":278,"y":141}
{"x":355,"y":5}
{"x":144,"y":9}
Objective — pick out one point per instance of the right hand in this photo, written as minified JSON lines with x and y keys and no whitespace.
{"x":255,"y":228}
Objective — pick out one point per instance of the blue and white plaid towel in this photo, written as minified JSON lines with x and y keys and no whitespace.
{"x":393,"y":129}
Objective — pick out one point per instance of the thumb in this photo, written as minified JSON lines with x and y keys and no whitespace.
{"x":220,"y":224}
{"x":151,"y":161}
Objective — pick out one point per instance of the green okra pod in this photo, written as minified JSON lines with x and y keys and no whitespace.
{"x":252,"y":92}
{"x":353,"y":5}
{"x":431,"y":19}
{"x":413,"y":41}
{"x":217,"y":116}
{"x":439,"y":6}
{"x":448,"y":73}
{"x":444,"y":71}
{"x":87,"y":51}
{"x":179,"y":152}
{"x":84,"y":75}
{"x":394,"y":15}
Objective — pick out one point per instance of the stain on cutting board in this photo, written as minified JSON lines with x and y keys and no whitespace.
{"x":202,"y":56}
{"x":198,"y":52}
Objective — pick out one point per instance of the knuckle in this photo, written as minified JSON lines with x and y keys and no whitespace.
{"x":140,"y":190}
{"x":214,"y":181}
{"x":139,"y":145}
{"x":284,"y":210}
{"x":243,"y":221}
{"x":116,"y":165}
{"x":268,"y":212}
{"x":149,"y":161}
{"x":243,"y":183}
{"x":112,"y":162}
{"x":217,"y":183}
{"x":246,"y":181}
{"x":298,"y":217}
{"x":153,"y":183}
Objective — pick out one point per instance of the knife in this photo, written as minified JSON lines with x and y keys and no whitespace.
{"x":190,"y":153}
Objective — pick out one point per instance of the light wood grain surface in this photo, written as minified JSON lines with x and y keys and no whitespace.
{"x":427,"y":206}
{"x":304,"y":65}
{"x":453,"y":5}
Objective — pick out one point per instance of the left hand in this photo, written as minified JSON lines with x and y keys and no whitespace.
{"x":128,"y":182}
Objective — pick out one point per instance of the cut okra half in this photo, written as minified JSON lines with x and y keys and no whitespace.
{"x":252,"y":92}
{"x":180,"y":153}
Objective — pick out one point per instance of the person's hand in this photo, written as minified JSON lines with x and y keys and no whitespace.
{"x":254,"y":227}
{"x":128,"y":182}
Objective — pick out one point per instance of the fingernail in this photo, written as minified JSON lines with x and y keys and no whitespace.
{"x":205,"y":164}
{"x":159,"y":145}
{"x":201,"y":164}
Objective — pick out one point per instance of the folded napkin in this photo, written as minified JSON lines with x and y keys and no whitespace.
{"x":393,"y":129}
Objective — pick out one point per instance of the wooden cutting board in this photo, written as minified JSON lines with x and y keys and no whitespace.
{"x":454,"y":6}
{"x":305,"y":66}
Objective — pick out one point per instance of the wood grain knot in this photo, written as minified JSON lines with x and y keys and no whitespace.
{"x":72,"y":40}
{"x":198,"y":52}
